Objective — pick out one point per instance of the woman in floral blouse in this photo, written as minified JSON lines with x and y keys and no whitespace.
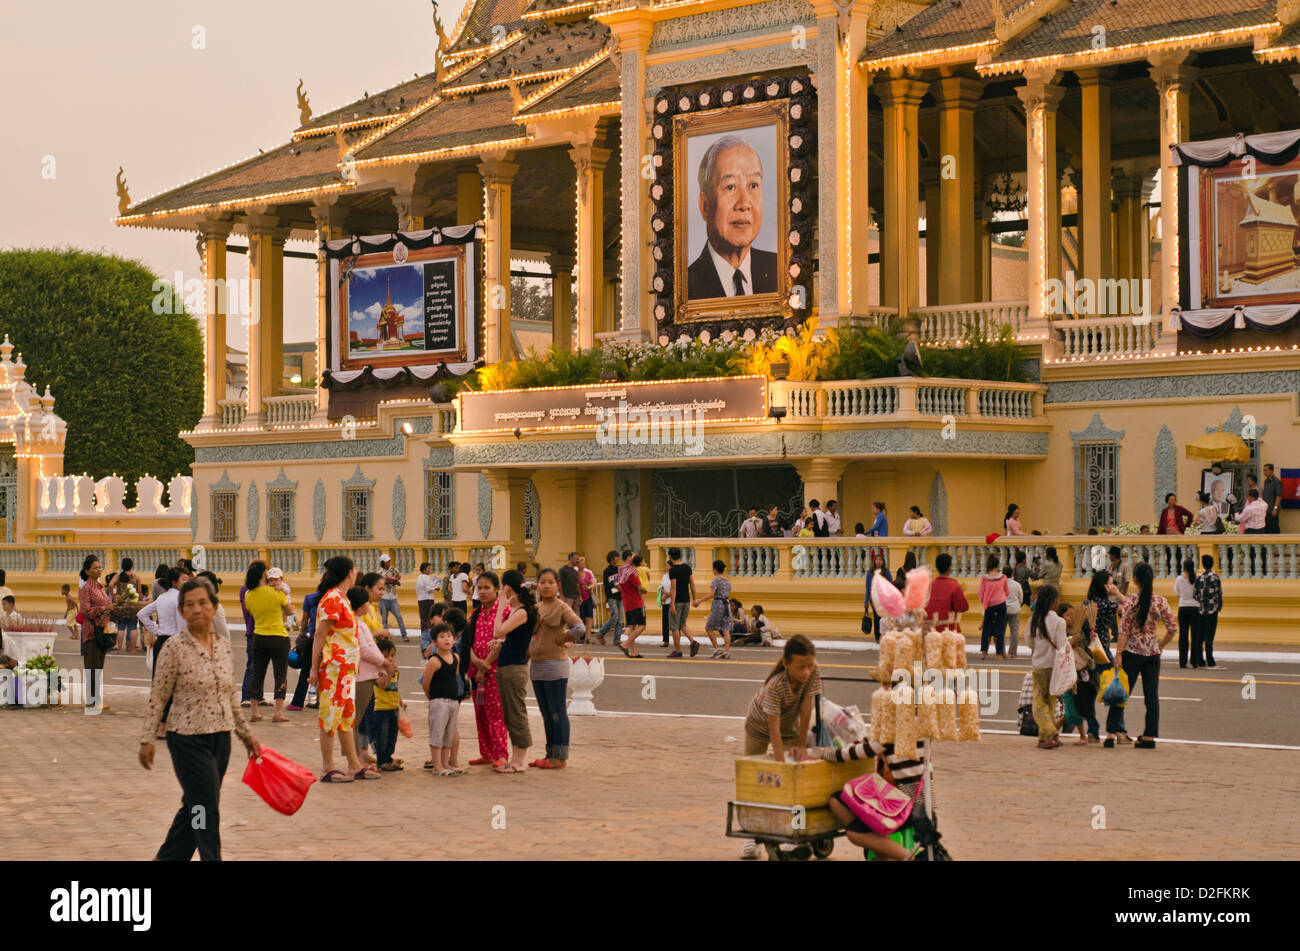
{"x":1139,"y":649}
{"x":335,"y":654}
{"x":95,"y":603}
{"x":194,"y":675}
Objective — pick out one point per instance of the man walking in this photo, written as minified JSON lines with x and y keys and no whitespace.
{"x":833,"y":517}
{"x":1208,"y":592}
{"x":751,"y":527}
{"x":388,"y":600}
{"x":613,"y":600}
{"x":1272,"y":496}
{"x":681,"y":592}
{"x":569,"y":583}
{"x":629,"y":583}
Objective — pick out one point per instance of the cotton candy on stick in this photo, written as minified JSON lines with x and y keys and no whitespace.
{"x":917,"y":593}
{"x":887,"y":599}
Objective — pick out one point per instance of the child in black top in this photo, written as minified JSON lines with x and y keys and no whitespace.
{"x":442,"y":687}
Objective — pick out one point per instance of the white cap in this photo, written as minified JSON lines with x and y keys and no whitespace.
{"x":384,"y":558}
{"x":275,"y":573}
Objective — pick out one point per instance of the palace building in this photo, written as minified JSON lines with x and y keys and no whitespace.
{"x":1114,"y":180}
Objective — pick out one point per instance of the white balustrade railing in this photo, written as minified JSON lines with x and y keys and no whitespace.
{"x":753,"y":561}
{"x":1005,"y":404}
{"x":1252,"y":557}
{"x":291,"y":410}
{"x":950,"y":324}
{"x":852,"y":398}
{"x":941,"y":400}
{"x":1095,"y":337}
{"x":232,"y":412}
{"x":802,"y":400}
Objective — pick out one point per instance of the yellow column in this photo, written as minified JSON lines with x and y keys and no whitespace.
{"x":589,"y":163}
{"x":900,"y":251}
{"x":821,"y":476}
{"x":216,"y":306}
{"x":1128,"y":227}
{"x":566,"y":512}
{"x":273,"y":342}
{"x":1041,"y":97}
{"x":1094,"y":200}
{"x":983,"y":283}
{"x":562,"y":301}
{"x":958,"y":281}
{"x":933,"y":235}
{"x":469,"y":196}
{"x":1174,"y":83}
{"x":498,"y":174}
{"x":508,"y":488}
{"x":328,"y":218}
{"x":261,"y":319}
{"x":843,"y":212}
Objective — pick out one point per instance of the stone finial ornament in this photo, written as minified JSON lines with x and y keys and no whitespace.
{"x":123,"y":196}
{"x":304,"y":106}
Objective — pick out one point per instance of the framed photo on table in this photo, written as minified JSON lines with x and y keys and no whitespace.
{"x":1218,"y":486}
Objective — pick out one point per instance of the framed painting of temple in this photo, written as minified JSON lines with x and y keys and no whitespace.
{"x":401,"y":300}
{"x":1247,"y":220}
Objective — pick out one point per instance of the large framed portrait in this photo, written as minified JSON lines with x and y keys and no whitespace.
{"x":730,"y":212}
{"x":733,"y":206}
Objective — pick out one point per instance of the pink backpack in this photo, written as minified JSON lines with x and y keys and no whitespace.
{"x":882,"y":806}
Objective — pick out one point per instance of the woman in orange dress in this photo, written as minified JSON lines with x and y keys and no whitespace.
{"x":335,"y":655}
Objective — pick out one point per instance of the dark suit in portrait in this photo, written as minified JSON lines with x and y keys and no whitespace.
{"x":702,"y":277}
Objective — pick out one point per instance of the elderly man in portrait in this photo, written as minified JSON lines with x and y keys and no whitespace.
{"x":731,"y":203}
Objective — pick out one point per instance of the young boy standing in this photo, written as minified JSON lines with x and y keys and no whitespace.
{"x":442,"y":689}
{"x":388,"y":702}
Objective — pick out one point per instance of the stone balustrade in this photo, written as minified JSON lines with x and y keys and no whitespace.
{"x":949,"y":324}
{"x":232,"y":412}
{"x":1106,"y":337}
{"x":70,"y":496}
{"x":291,"y":410}
{"x":917,"y":397}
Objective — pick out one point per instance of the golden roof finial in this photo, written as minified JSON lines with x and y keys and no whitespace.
{"x":513,"y":85}
{"x":439,"y":68}
{"x":304,"y":106}
{"x":123,"y":196}
{"x":443,"y":41}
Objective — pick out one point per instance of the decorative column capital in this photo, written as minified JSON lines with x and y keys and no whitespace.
{"x":215,"y":228}
{"x":1035,"y":94}
{"x":901,"y":91}
{"x":957,"y":92}
{"x":561,"y":263}
{"x":1095,"y":76}
{"x":327,"y":214}
{"x":497,"y":171}
{"x":261,"y":224}
{"x":588,"y":157}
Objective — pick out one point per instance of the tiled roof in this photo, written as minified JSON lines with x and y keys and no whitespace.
{"x":598,"y":84}
{"x":382,"y":106}
{"x":943,"y":25}
{"x":1285,"y":46}
{"x":1131,"y":23}
{"x":457,"y":122}
{"x":295,"y":166}
{"x":483,"y":16}
{"x":545,"y":49}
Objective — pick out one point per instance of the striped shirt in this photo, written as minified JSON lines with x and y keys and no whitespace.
{"x":778,"y":698}
{"x":907,"y":773}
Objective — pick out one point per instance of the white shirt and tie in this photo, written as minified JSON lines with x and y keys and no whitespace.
{"x":734,"y":280}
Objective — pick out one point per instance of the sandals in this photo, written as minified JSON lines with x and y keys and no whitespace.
{"x":429,"y":764}
{"x":624,"y":650}
{"x":367,"y":772}
{"x":257,"y":718}
{"x":336,"y":776}
{"x":481,"y":761}
{"x":538,"y":763}
{"x":1145,"y":745}
{"x":279,"y":718}
{"x":695,"y":647}
{"x":392,"y":767}
{"x":507,"y":768}
{"x":547,"y":764}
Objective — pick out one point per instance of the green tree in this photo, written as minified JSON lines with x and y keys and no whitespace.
{"x":126,"y":379}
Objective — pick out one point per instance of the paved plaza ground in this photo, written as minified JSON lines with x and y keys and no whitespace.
{"x":639,"y":787}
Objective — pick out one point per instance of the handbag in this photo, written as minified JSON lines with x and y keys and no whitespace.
{"x":884,"y":808}
{"x":866,"y":623}
{"x":106,"y":636}
{"x":1082,"y":658}
{"x":1064,"y":675}
{"x":1097,"y":650}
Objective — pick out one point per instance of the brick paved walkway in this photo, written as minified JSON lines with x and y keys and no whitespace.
{"x":638,"y":788}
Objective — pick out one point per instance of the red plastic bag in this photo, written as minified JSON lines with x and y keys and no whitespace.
{"x":280,"y":781}
{"x":404,"y":724}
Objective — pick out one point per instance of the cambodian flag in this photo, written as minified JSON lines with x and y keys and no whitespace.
{"x":1291,"y":488}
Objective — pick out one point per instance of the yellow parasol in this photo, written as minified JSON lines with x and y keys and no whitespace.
{"x":1219,"y":447}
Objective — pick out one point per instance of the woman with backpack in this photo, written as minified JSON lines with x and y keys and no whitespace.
{"x":1139,"y":649}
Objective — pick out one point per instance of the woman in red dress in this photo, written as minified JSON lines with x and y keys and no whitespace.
{"x":493,"y":741}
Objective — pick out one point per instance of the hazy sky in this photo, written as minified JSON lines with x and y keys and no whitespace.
{"x":96,"y":85}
